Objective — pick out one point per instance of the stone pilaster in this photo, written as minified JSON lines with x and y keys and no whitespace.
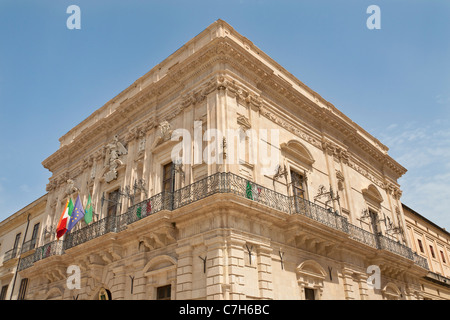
{"x":215,"y":268}
{"x":184,"y":272}
{"x":347,"y":277}
{"x":265,"y":279}
{"x":236,"y":268}
{"x":119,"y":283}
{"x":362,"y":284}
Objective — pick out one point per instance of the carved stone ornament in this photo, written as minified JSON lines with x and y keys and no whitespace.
{"x":163,"y":134}
{"x":114,"y":151}
{"x":70,"y":188}
{"x":340,"y":180}
{"x":243,"y":122}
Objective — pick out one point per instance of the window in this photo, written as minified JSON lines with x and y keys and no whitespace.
{"x":443,"y":257}
{"x":298,"y":182}
{"x":34,"y":235}
{"x":3,"y":292}
{"x":432,"y":251}
{"x":22,"y":289}
{"x":168,"y":181}
{"x":113,"y":201}
{"x":420,"y":245}
{"x":163,"y":293}
{"x":310,"y":294}
{"x":16,"y":245}
{"x":375,"y":221}
{"x":104,"y":294}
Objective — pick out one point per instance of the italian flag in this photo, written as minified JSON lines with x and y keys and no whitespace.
{"x":64,"y":219}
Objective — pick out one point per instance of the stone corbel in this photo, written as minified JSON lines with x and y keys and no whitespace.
{"x":159,"y":239}
{"x":56,"y":274}
{"x":116,"y":253}
{"x":336,"y":151}
{"x":107,"y":257}
{"x":147,"y":242}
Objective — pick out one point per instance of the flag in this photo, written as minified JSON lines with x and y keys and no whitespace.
{"x":256,"y":192}
{"x":77,"y":214}
{"x":64,"y":219}
{"x":149,"y":207}
{"x":138,"y":212}
{"x":248,"y":191}
{"x":88,"y":211}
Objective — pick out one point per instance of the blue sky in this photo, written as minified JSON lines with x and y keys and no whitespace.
{"x":394,"y":82}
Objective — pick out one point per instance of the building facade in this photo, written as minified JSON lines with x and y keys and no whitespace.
{"x":432,"y":243}
{"x":219,"y":175}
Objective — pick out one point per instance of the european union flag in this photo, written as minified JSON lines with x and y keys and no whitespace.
{"x":77,"y":214}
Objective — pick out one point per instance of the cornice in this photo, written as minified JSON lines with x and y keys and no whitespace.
{"x":225,"y":49}
{"x":327,"y":114}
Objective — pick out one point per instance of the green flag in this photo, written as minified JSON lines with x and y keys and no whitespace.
{"x":88,"y":211}
{"x":248,"y":191}
{"x":138,"y":212}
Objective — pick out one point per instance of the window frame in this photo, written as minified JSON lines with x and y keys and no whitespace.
{"x":164,"y":292}
{"x":420,"y":246}
{"x":309,"y":292}
{"x":23,"y":289}
{"x":168,"y":168}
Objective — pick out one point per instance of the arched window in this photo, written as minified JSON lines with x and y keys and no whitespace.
{"x":299,"y":160}
{"x":391,"y":292}
{"x":161,"y":272}
{"x":297,"y":152}
{"x":311,"y":276}
{"x":373,"y":199}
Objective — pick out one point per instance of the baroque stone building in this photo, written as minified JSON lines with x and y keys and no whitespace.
{"x":299,"y":203}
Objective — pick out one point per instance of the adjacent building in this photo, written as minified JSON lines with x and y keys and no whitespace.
{"x":219,"y":175}
{"x":432,"y":243}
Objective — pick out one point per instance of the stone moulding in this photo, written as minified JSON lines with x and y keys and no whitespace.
{"x":222,"y":49}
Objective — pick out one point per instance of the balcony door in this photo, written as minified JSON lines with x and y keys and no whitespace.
{"x":168,"y":178}
{"x":298,"y":191}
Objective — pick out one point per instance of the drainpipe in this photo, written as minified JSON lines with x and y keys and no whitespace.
{"x":18,"y":261}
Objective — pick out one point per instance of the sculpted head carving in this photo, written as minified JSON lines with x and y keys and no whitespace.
{"x":70,"y":188}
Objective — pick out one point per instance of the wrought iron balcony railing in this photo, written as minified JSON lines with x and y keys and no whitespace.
{"x":438,"y":277}
{"x":363,"y":236}
{"x":90,"y":232}
{"x":10,"y":254}
{"x":54,"y":248}
{"x":227,"y":182}
{"x":420,"y":261}
{"x":320,"y":214}
{"x":395,"y":247}
{"x":29,"y":245}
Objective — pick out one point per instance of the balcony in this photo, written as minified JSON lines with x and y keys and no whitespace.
{"x":10,"y":254}
{"x":29,"y":245}
{"x":54,"y":248}
{"x":226,"y":182}
{"x":438,"y":278}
